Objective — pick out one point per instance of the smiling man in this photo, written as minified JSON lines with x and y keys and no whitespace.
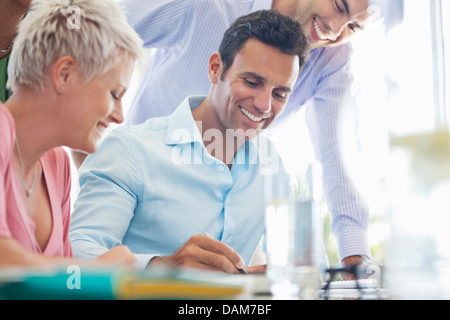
{"x":184,"y":33}
{"x":163,"y":208}
{"x":328,"y":23}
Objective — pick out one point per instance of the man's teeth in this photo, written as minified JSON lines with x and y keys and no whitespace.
{"x":251,"y":116}
{"x":319,"y":32}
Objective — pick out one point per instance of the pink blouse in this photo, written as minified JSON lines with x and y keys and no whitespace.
{"x":14,"y":220}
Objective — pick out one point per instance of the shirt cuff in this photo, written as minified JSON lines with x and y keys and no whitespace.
{"x":81,"y":251}
{"x":352,"y":242}
{"x":142,"y":260}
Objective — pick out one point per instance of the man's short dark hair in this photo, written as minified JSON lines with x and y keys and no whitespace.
{"x":269,"y":27}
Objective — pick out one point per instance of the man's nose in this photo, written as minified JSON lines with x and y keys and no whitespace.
{"x":263,"y":102}
{"x":337,"y":26}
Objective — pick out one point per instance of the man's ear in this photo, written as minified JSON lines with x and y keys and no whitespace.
{"x":215,"y":67}
{"x":63,"y":71}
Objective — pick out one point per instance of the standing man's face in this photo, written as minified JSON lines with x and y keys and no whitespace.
{"x":330,"y":23}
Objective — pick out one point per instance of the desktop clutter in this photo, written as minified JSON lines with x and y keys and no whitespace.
{"x":74,"y":282}
{"x":80,"y":283}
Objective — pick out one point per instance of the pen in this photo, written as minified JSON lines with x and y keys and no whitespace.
{"x":242,"y":271}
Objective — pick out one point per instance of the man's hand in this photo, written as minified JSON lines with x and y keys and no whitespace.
{"x":350,"y":261}
{"x":260,"y":269}
{"x":203,"y":252}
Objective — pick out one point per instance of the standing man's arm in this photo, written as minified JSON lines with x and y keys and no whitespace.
{"x":349,"y":212}
{"x":158,"y":22}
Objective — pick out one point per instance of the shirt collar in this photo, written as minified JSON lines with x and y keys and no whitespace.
{"x":182,"y":129}
{"x":181,"y":125}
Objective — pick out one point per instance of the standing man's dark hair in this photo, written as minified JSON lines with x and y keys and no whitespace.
{"x":269,"y":27}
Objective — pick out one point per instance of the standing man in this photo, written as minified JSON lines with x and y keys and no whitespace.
{"x":186,"y":32}
{"x":200,"y":169}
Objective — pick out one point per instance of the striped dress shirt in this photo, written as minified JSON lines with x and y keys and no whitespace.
{"x":186,"y":32}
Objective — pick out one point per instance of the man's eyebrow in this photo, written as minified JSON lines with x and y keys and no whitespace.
{"x":360,"y":27}
{"x":253,"y":75}
{"x":346,"y":8}
{"x":261,"y":79}
{"x":285,"y":89}
{"x":347,"y":12}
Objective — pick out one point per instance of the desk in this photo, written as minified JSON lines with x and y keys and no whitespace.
{"x":91,"y":284}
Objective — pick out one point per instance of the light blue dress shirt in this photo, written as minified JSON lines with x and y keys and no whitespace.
{"x":153,"y":186}
{"x":185,"y":34}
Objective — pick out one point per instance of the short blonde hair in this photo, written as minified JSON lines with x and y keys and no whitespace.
{"x":94,"y":32}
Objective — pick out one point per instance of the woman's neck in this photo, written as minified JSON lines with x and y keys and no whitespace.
{"x":31,"y":129}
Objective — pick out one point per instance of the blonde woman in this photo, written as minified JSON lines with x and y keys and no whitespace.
{"x":70,"y":65}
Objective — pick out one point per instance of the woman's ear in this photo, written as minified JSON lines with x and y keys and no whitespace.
{"x":215,"y":67}
{"x":63,"y":71}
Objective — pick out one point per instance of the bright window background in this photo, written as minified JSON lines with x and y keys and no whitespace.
{"x":393,"y":92}
{"x":446,"y":22}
